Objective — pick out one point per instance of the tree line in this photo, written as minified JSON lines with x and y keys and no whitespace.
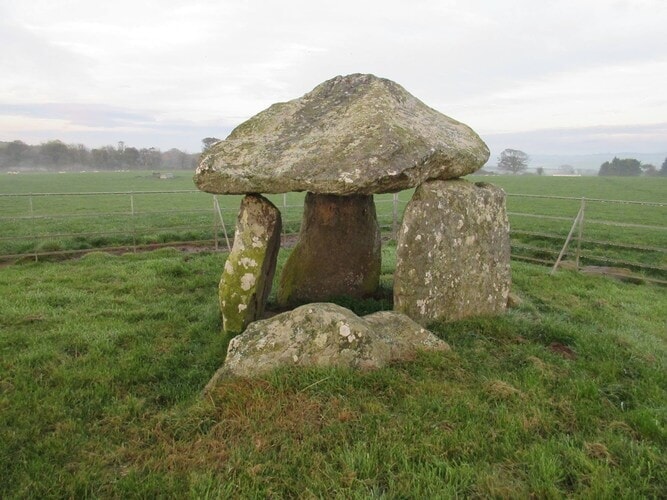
{"x":516,"y":161}
{"x":629,"y":167}
{"x":56,"y":155}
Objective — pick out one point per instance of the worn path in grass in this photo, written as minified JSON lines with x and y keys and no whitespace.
{"x":102,"y":361}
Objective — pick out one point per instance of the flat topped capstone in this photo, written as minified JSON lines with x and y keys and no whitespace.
{"x":357,"y":134}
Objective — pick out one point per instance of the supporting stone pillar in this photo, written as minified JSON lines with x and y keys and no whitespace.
{"x":246,"y":281}
{"x":453,"y":252}
{"x":338,"y":252}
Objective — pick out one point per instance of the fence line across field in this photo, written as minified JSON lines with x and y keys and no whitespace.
{"x":140,"y":224}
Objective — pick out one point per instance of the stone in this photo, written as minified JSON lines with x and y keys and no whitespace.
{"x":453,"y":252}
{"x":324,"y":334}
{"x":514,"y":301}
{"x":338,"y":251}
{"x":248,"y":272}
{"x":355,"y":134}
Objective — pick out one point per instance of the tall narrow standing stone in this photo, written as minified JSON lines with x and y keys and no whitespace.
{"x":338,"y":252}
{"x":453,"y":252}
{"x":246,"y":281}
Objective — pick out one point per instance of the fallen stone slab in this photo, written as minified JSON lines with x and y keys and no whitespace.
{"x":453,"y":252}
{"x":355,"y":134}
{"x":324,"y":334}
{"x":248,"y":272}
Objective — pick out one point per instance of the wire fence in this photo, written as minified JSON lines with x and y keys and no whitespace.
{"x":551,"y":230}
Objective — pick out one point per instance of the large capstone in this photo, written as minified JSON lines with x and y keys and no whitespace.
{"x":453,"y":252}
{"x":325,"y":335}
{"x":248,"y":273}
{"x":338,"y":251}
{"x":356,"y":134}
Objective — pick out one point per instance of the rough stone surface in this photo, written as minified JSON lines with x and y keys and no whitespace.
{"x":453,"y":252}
{"x":322,"y":334}
{"x":357,"y":134}
{"x":248,"y":273}
{"x":338,"y":251}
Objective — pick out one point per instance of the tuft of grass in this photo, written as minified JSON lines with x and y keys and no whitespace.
{"x":102,"y":362}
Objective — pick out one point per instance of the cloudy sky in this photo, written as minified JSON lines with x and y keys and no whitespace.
{"x":578,"y":76}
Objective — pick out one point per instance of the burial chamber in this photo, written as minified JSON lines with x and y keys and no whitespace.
{"x":349,"y":138}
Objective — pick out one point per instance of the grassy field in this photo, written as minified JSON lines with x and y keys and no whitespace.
{"x":39,"y":224}
{"x":102,"y":361}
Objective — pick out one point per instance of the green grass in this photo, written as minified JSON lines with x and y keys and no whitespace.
{"x":102,"y":361}
{"x":41,"y":224}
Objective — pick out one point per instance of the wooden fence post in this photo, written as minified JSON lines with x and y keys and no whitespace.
{"x":567,"y":240}
{"x":132,"y":224}
{"x":581,"y":230}
{"x":32,"y":227}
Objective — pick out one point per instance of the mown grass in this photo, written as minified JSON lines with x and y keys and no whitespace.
{"x":103,"y":360}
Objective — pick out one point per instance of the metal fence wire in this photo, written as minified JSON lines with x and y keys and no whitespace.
{"x":550,"y":230}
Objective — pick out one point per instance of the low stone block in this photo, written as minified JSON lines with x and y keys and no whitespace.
{"x":453,"y":252}
{"x":248,"y":273}
{"x":323,"y":334}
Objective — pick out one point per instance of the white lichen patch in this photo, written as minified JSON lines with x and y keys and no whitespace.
{"x":248,"y":262}
{"x":344,"y":330}
{"x":242,"y":307}
{"x":228,"y":267}
{"x":346,"y":177}
{"x":247,"y":281}
{"x":257,"y":242}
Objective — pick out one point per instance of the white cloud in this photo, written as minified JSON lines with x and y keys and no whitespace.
{"x":500,"y":66}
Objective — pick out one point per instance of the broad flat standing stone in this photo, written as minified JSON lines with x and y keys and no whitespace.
{"x":453,"y":252}
{"x":248,"y":274}
{"x":338,"y":252}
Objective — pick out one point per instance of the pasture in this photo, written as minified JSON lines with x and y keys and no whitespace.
{"x":66,"y":213}
{"x":103,"y":359}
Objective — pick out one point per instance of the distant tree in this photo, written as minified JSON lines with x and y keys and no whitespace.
{"x":627,"y":167}
{"x":663,"y":169}
{"x":540,"y":170}
{"x":78,"y":154}
{"x":130,"y":157}
{"x":150,"y":158}
{"x":649,"y":170}
{"x":207,"y":142}
{"x":15,"y":151}
{"x":175,"y":159}
{"x":54,"y":152}
{"x":513,"y":160}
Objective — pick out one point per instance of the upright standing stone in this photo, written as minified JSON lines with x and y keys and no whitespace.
{"x":246,"y":281}
{"x":338,"y":252}
{"x":453,"y":254}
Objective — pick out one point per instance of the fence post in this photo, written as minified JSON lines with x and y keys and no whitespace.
{"x":568,"y":239}
{"x":33,"y":228}
{"x":394,"y":222}
{"x":215,"y":223}
{"x":132,"y":224}
{"x":222,"y":222}
{"x":284,"y":215}
{"x":581,"y":230}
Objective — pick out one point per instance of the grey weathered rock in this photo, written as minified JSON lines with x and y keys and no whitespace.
{"x":248,"y":273}
{"x":357,"y":134}
{"x":338,"y":252}
{"x":453,"y":252}
{"x":322,"y":334}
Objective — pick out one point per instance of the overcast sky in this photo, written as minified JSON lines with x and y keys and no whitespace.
{"x":580,"y":76}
